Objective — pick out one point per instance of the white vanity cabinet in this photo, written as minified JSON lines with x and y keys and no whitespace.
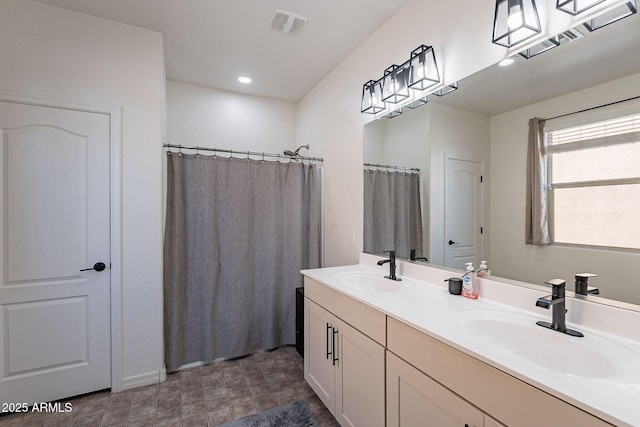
{"x":414,"y":399}
{"x":342,"y":363}
{"x":444,"y":380}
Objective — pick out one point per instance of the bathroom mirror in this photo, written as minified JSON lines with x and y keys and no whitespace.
{"x":485,"y":121}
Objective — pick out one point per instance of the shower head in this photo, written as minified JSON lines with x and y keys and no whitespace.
{"x":295,"y":153}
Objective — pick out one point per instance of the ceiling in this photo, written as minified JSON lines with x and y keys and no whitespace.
{"x":609,"y":53}
{"x":213,"y":42}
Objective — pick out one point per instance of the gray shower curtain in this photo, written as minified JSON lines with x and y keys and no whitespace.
{"x":237,"y":234}
{"x":392,"y":214}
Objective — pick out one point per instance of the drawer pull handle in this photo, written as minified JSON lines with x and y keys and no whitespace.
{"x":333,"y":346}
{"x":327,"y":335}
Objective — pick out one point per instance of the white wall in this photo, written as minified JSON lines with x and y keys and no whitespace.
{"x":373,"y":150}
{"x":462,"y":135}
{"x":214,"y":118}
{"x":510,"y":257}
{"x":58,"y":53}
{"x":329,"y":116}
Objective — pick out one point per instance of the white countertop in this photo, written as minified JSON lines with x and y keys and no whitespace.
{"x":423,"y":301}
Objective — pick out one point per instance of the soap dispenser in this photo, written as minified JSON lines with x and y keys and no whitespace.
{"x":470,"y":282}
{"x":483,"y":270}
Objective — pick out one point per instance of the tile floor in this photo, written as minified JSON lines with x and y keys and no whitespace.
{"x":202,"y":397}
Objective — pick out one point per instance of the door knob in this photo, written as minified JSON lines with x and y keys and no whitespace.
{"x":451,"y":243}
{"x":98,"y":266}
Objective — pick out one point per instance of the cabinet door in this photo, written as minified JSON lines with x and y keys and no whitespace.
{"x":319,"y":368}
{"x":414,"y":399}
{"x":360,"y":379}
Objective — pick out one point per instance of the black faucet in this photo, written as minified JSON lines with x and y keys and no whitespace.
{"x":412,"y":256}
{"x":558,"y":310}
{"x":392,"y":266}
{"x":582,"y":284}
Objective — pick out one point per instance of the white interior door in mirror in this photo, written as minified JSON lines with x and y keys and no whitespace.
{"x":463,"y":212}
{"x":55,"y":216}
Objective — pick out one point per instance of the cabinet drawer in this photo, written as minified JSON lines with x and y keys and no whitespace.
{"x":362,"y":317}
{"x":506,"y":398}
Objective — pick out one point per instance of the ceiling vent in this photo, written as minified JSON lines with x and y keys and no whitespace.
{"x":287,"y":23}
{"x":569,"y":35}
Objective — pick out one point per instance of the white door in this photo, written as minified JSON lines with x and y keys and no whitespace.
{"x":463,"y":212}
{"x":54,"y":211}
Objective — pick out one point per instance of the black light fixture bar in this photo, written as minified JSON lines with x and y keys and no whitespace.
{"x":575,"y":7}
{"x":446,"y":90}
{"x":540,"y":48}
{"x":611,"y":16}
{"x":417,"y":103}
{"x":553,"y":42}
{"x":393,"y":113}
{"x":405,"y":85}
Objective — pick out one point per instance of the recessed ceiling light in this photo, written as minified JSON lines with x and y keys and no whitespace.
{"x":245,"y":80}
{"x":506,"y":62}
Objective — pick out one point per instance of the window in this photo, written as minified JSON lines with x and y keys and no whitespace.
{"x":594,"y":183}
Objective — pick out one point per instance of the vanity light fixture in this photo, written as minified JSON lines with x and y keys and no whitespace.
{"x":447,"y":89}
{"x":515,"y":21}
{"x":393,"y":113}
{"x":405,"y":85}
{"x":395,"y":83}
{"x":372,"y":102}
{"x":575,"y":7}
{"x":423,"y":68}
{"x":417,"y":103}
{"x":612,"y":15}
{"x":560,"y":39}
{"x":539,"y":48}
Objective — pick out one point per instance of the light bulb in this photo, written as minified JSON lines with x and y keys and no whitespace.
{"x":374,"y":100}
{"x":515,"y":17}
{"x":421,"y":71}
{"x":393,"y":86}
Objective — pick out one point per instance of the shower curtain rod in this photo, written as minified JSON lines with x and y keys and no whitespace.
{"x":404,"y":168}
{"x":242,"y":153}
{"x":594,"y":108}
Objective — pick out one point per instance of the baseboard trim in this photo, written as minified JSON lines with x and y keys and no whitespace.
{"x":144,"y":379}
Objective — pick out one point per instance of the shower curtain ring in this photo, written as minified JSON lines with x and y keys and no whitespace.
{"x":263,"y":157}
{"x":248,"y":155}
{"x":197,"y":152}
{"x":179,"y":149}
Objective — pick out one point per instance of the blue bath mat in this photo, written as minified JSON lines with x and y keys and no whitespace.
{"x":294,"y":414}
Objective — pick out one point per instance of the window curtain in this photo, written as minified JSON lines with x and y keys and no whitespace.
{"x":537,"y":217}
{"x":237,"y":234}
{"x":392,"y":214}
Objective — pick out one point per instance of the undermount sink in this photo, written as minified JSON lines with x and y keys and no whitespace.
{"x":371,"y":282}
{"x":590,"y":356}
